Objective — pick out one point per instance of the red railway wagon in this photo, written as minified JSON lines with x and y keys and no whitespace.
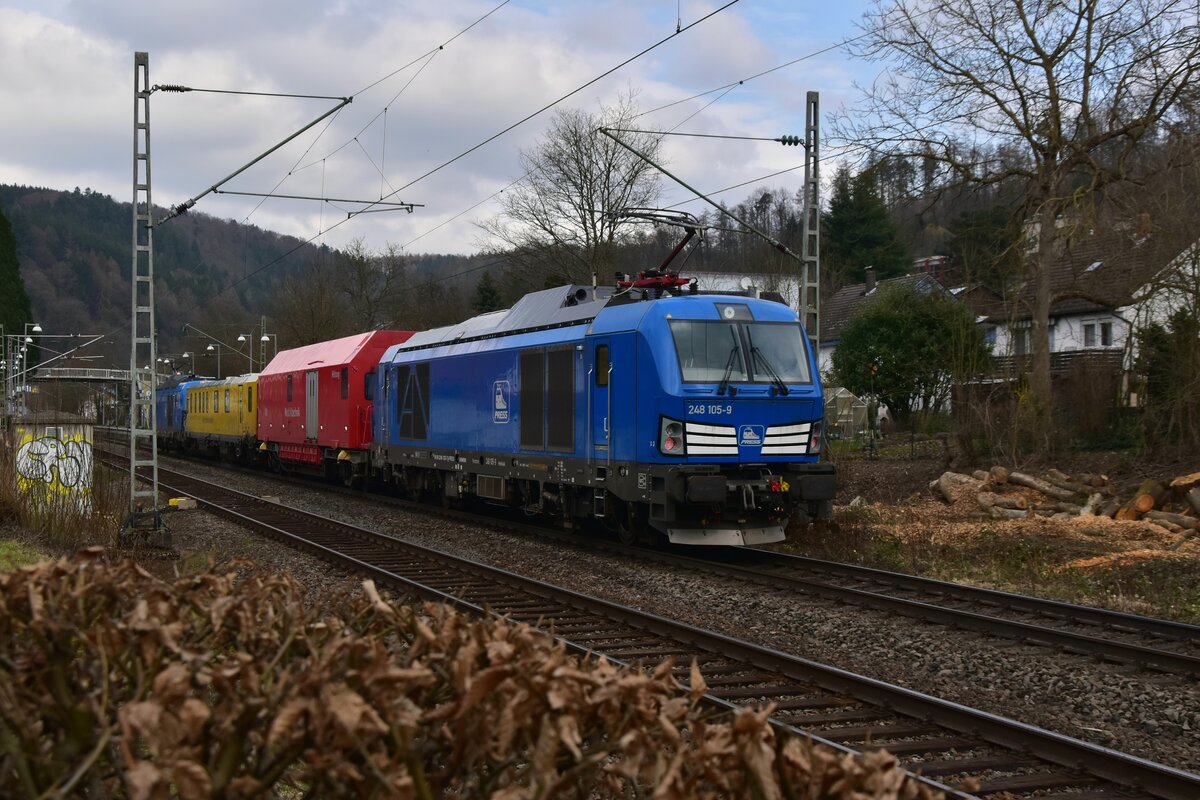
{"x":315,"y":404}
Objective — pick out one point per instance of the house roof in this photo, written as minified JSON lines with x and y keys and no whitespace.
{"x":839,"y":308}
{"x":1098,"y":270}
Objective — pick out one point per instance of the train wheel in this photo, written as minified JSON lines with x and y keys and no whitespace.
{"x":632,"y":528}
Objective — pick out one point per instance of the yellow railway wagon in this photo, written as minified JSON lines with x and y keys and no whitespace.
{"x":222,"y":417}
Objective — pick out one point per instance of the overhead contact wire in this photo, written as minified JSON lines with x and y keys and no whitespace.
{"x":575,"y":91}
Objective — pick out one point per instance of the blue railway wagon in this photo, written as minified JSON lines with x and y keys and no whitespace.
{"x":691,"y":418}
{"x":170,"y":410}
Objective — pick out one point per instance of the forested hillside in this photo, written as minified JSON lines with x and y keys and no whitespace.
{"x":73,"y":249}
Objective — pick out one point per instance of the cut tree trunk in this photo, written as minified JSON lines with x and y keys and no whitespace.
{"x":1059,"y":508}
{"x":1148,"y":495}
{"x":1099,"y":481}
{"x":999,"y":474}
{"x":1127,"y":514}
{"x":1193,"y":498}
{"x":1092,"y":507}
{"x":1186,"y":481}
{"x":1056,"y":478}
{"x":1110,"y":508}
{"x":990,"y":500}
{"x":1178,"y":519}
{"x":949,"y":481}
{"x":1021,"y":479}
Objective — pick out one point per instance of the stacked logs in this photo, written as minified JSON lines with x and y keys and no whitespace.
{"x":1173,"y":504}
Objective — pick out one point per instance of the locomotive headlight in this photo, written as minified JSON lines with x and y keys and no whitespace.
{"x":814,"y":443}
{"x":670,"y":438}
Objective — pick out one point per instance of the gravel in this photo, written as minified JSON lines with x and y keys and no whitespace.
{"x":1150,"y":715}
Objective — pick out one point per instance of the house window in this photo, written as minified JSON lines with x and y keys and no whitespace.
{"x":1097,"y":334}
{"x":1021,"y":341}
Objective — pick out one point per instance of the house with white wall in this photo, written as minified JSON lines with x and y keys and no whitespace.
{"x":1105,"y":285}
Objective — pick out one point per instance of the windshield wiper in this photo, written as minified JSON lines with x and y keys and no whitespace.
{"x":754,"y":351}
{"x":733,"y":351}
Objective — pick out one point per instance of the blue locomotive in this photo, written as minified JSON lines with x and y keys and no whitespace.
{"x":660,"y":412}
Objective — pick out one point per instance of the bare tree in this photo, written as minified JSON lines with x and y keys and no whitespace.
{"x":310,"y":306}
{"x":557,"y":221}
{"x":372,"y":285}
{"x":1071,"y":89}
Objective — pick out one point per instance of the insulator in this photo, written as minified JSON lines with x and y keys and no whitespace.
{"x":171,"y":87}
{"x":789,"y":140}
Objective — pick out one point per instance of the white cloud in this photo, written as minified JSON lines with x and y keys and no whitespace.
{"x":66,"y":84}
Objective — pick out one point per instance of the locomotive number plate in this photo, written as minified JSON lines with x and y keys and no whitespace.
{"x":709,"y":408}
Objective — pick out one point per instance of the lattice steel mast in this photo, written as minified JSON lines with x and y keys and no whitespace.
{"x":810,"y":255}
{"x":144,"y":525}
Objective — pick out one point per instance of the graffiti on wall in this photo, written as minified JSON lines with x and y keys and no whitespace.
{"x":55,"y":468}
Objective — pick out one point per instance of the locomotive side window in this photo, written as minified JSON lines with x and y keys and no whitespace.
{"x":560,"y":399}
{"x":602,"y":365}
{"x":249,"y":398}
{"x":532,"y":388}
{"x":289,"y":389}
{"x":412,"y":406}
{"x":345,"y":383}
{"x":369,"y":386}
{"x":709,"y":352}
{"x":226,"y":401}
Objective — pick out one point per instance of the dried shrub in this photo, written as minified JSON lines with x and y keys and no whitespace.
{"x":222,"y":684}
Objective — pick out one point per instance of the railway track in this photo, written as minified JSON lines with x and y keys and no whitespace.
{"x":1110,"y":636}
{"x":949,"y":744}
{"x":1157,"y":644}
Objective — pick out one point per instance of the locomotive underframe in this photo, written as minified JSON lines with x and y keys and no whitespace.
{"x":710,"y":504}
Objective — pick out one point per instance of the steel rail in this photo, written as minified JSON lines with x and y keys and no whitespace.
{"x":1156,"y":779}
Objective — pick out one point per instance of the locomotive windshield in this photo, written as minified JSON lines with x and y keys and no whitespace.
{"x":724,"y":352}
{"x":707,"y":349}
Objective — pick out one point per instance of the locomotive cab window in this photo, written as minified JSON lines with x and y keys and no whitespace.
{"x":289,"y":388}
{"x":737,"y":352}
{"x":249,"y":398}
{"x":345,"y":383}
{"x":602,"y":365}
{"x":226,"y":401}
{"x":369,"y":386}
{"x":777,"y":352}
{"x":709,"y":352}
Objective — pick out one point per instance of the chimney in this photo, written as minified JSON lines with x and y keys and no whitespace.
{"x":870,"y":279}
{"x":1143,"y":227}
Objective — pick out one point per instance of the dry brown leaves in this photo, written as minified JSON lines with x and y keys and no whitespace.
{"x":222,"y":684}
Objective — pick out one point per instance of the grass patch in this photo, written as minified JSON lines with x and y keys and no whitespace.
{"x":1046,"y":566}
{"x":15,"y":553}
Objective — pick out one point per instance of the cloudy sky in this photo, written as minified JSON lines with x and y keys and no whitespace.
{"x":66,"y":85}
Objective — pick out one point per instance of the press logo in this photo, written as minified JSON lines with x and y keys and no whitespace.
{"x":501,"y":394}
{"x":750,"y":435}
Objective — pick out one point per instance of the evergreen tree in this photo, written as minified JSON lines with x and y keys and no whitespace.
{"x":859,"y":232}
{"x":14,"y":302}
{"x":487,"y":295}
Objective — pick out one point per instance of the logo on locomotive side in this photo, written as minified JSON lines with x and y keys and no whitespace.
{"x":500,"y":397}
{"x":750,"y":435}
